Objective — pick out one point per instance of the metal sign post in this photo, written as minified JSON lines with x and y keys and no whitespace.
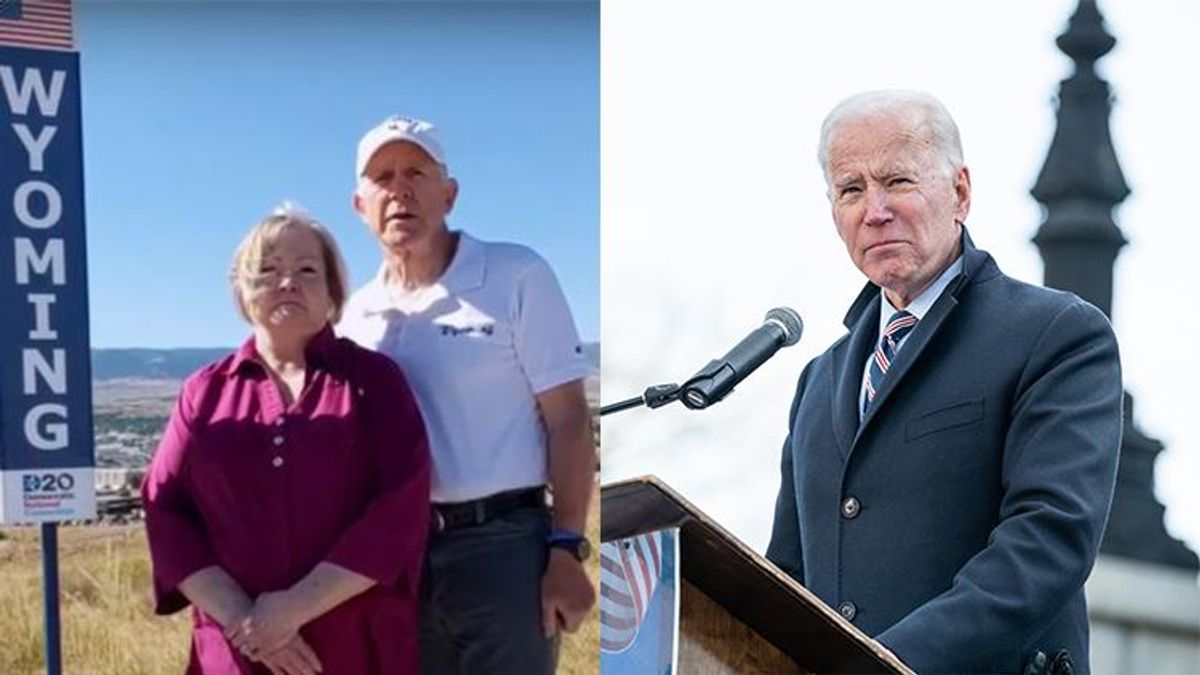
{"x":46,"y":446}
{"x":52,"y":629}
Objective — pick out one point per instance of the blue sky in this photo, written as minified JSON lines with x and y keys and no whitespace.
{"x":199,"y":118}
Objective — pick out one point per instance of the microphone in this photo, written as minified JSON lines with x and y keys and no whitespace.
{"x":781,"y":328}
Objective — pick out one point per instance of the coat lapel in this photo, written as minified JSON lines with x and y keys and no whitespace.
{"x":863,"y":322}
{"x":911,"y":351}
{"x":850,"y":356}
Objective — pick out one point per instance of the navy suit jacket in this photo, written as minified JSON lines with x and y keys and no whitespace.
{"x":982,"y":473}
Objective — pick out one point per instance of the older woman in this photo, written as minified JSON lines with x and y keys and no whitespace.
{"x":288,"y":499}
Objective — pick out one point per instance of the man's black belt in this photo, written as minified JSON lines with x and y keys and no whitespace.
{"x":452,"y":515}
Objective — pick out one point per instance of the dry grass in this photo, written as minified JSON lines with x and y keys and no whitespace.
{"x":108,"y":625}
{"x":581,"y":651}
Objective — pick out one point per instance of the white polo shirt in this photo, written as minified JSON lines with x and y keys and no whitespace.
{"x":476,"y":347}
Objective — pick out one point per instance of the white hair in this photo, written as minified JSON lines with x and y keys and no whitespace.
{"x":921,"y":111}
{"x":290,"y":210}
{"x":363,"y":185}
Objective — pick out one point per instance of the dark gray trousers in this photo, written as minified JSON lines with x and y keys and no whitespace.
{"x":481,"y":599}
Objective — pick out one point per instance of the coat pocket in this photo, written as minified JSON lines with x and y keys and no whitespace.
{"x":957,"y":415}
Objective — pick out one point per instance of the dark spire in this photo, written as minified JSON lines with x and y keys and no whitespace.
{"x":1081,"y":180}
{"x":1079,"y":186}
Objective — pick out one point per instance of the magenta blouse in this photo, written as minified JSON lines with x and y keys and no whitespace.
{"x":267,"y":492}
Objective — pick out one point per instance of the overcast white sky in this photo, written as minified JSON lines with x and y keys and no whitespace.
{"x":713,"y":206}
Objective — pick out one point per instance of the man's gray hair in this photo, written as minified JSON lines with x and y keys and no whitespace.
{"x":924,"y":112}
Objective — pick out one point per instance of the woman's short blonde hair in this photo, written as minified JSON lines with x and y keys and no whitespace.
{"x":258,"y":242}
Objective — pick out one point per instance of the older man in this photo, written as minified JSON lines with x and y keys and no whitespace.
{"x":950,"y":462}
{"x":487,"y":342}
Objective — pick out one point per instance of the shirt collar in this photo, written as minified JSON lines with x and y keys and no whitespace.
{"x":466,"y":271}
{"x":246,"y":354}
{"x":319,"y":352}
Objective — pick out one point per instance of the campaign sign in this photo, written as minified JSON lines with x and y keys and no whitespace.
{"x":46,"y":447}
{"x":639,"y":604}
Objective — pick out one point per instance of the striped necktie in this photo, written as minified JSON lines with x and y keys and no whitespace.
{"x":899,"y":326}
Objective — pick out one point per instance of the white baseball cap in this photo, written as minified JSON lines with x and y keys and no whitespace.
{"x":398,"y":128}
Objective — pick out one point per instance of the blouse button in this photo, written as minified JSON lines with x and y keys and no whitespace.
{"x":278,"y":421}
{"x":278,"y":440}
{"x":277,"y":462}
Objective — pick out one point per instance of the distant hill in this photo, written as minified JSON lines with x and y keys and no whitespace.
{"x":176,"y":364}
{"x":169,"y":364}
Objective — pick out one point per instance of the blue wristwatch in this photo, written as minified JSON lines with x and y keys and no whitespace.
{"x":571,"y":541}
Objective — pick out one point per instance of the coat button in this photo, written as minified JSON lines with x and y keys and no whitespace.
{"x":278,"y":440}
{"x":847,"y":610}
{"x":278,"y":421}
{"x":277,"y":462}
{"x":850,"y":507}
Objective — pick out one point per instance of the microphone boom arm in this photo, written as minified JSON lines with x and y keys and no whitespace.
{"x":654,"y":397}
{"x":781,"y":328}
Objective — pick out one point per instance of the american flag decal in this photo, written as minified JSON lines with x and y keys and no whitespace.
{"x":41,"y":24}
{"x":629,"y":573}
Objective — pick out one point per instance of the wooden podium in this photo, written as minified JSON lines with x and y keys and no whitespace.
{"x":738,"y":612}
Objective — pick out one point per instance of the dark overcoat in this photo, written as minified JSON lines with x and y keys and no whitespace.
{"x":958,"y":522}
